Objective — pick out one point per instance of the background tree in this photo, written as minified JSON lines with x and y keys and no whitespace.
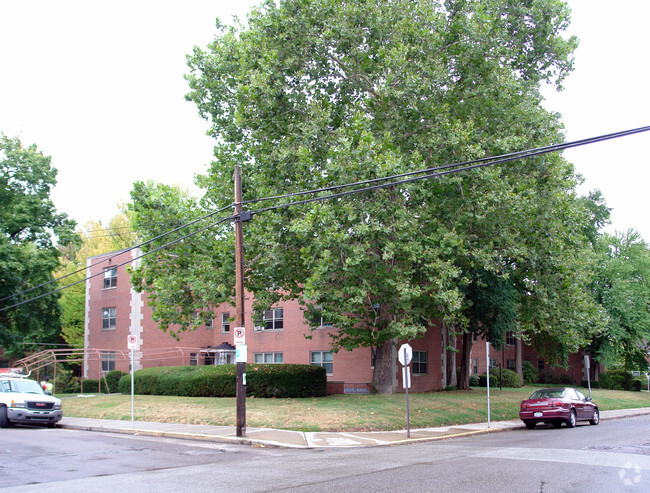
{"x":30,"y":233}
{"x":318,"y":93}
{"x":96,"y":239}
{"x":622,"y":287}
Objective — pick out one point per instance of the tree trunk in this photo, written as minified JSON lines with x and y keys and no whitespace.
{"x":450,"y":356}
{"x":383,"y":378}
{"x":463,"y":379}
{"x":518,"y":360}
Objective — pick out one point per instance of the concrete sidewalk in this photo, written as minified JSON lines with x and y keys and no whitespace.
{"x":263,"y":437}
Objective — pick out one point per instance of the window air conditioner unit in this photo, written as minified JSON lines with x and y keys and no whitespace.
{"x":258,"y":328}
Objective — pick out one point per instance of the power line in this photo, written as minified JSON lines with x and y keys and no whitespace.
{"x":112,"y":257}
{"x":437,"y":173}
{"x":166,"y":245}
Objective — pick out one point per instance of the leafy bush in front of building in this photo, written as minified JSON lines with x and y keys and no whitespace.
{"x":270,"y":380}
{"x":473,"y":381}
{"x":112,"y":381}
{"x":482,"y":380}
{"x":530,"y":372}
{"x":89,"y":385}
{"x":509,"y":378}
{"x":547,"y":377}
{"x":287,"y":380}
{"x":618,"y":380}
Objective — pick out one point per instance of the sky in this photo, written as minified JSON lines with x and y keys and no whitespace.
{"x":99,"y":87}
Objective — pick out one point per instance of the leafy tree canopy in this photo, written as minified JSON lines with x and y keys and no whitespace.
{"x":622,"y":287}
{"x":317,"y":93}
{"x":30,"y":233}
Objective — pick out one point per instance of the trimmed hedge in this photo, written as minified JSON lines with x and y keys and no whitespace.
{"x":262,"y":380}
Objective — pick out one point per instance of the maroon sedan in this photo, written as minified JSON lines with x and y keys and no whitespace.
{"x":557,"y":406}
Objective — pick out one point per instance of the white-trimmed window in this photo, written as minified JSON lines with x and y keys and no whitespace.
{"x":225,"y":322}
{"x":110,"y":277}
{"x":108,"y":361}
{"x":267,"y":358}
{"x":194,"y":360}
{"x":317,"y":319}
{"x":208,"y":324}
{"x":324,"y":359}
{"x":475,"y":367}
{"x":510,"y":338}
{"x":108,"y":318}
{"x":419,"y":363}
{"x":271,"y":320}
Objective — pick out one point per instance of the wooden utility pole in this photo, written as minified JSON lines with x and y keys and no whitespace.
{"x":239,"y":302}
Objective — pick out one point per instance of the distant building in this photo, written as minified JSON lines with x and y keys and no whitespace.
{"x":115,"y":311}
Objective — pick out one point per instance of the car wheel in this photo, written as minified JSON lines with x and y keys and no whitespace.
{"x":572,"y":420}
{"x":530,"y":424}
{"x":4,"y":421}
{"x":596,"y":419}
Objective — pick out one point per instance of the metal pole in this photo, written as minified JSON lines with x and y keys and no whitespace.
{"x":132,"y":390}
{"x":407,"y":378}
{"x":239,"y":302}
{"x":487,"y":357}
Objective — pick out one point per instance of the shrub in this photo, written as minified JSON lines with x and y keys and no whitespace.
{"x":509,"y":378}
{"x":482,"y":380}
{"x":220,"y":381}
{"x":530,"y":373}
{"x":548,"y":378}
{"x":90,"y":385}
{"x":473,"y":381}
{"x":617,"y":380}
{"x":112,"y":381}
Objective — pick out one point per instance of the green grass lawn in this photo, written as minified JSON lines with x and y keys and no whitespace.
{"x":333,"y":413}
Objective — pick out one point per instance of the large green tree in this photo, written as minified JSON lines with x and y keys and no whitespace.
{"x":622,"y":287}
{"x":318,"y":93}
{"x":31,"y":232}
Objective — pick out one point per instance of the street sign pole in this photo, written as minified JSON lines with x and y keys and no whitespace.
{"x":407,"y":384}
{"x":239,"y":303}
{"x":404,"y":355}
{"x":587,"y":369}
{"x":487,"y":357}
{"x":132,"y":392}
{"x":132,"y":342}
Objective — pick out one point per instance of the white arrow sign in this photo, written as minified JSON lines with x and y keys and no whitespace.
{"x":405,"y":354}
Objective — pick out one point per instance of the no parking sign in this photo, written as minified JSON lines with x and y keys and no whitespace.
{"x":240,"y":335}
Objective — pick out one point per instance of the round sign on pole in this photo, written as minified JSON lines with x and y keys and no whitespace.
{"x":240,"y":335}
{"x":132,"y":341}
{"x":405,"y":354}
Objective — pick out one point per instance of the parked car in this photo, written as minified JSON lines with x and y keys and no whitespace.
{"x":22,"y":400}
{"x":558,"y":405}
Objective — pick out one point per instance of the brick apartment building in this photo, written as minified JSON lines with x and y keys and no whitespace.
{"x":114,"y":311}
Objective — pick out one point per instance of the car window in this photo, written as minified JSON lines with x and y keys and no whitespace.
{"x":581,"y":396}
{"x":572,"y":394}
{"x":546,"y":393}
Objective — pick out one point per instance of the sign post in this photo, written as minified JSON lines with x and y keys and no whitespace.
{"x":132,"y":342}
{"x":405,"y":354}
{"x":587,"y":370}
{"x":487,"y":358}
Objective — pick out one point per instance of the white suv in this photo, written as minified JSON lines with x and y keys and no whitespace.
{"x":22,"y":400}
